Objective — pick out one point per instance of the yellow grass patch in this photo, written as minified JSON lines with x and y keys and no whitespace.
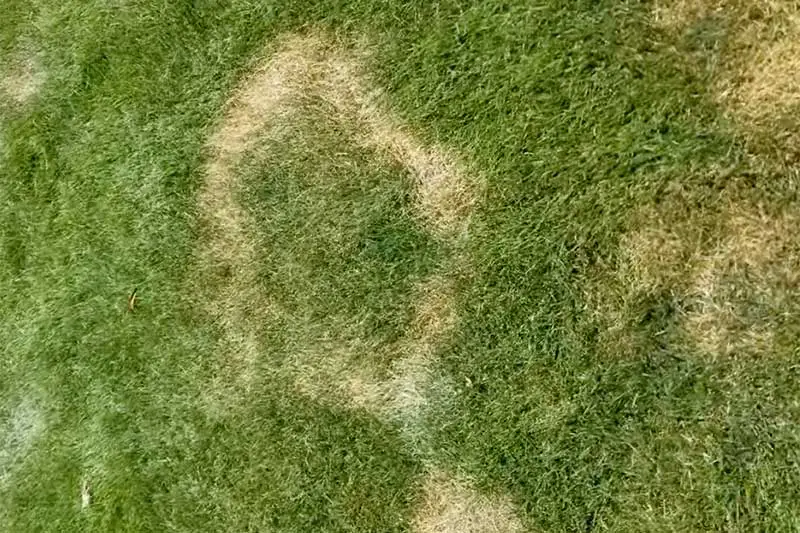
{"x":407,"y":389}
{"x":680,"y":13}
{"x":759,"y":248}
{"x":444,"y":194}
{"x":228,"y":255}
{"x":454,"y":506}
{"x":759,"y":74}
{"x":336,"y":368}
{"x":339,"y":371}
{"x":21,"y":77}
{"x":745,"y":259}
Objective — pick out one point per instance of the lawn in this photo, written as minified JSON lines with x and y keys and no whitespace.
{"x":436,"y":267}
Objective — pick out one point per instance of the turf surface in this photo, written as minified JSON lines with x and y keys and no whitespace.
{"x":576,"y":113}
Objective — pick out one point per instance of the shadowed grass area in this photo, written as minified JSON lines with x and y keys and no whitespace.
{"x":581,"y":116}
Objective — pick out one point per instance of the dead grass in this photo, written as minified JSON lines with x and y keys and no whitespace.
{"x":758,"y":78}
{"x":337,"y":367}
{"x":759,"y":248}
{"x":678,"y":14}
{"x":729,"y":273}
{"x":227,"y":256}
{"x":21,"y":77}
{"x":340,"y":372}
{"x":305,"y":67}
{"x":445,"y":196}
{"x":454,"y":506}
{"x":408,"y":391}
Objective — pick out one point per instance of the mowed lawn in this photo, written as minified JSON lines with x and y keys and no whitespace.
{"x":399,"y":266}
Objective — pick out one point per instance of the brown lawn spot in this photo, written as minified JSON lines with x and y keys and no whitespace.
{"x":262,"y":105}
{"x":719,"y":268}
{"x":301,"y":69}
{"x":651,"y":257}
{"x":757,"y":260}
{"x":21,"y":77}
{"x":445,"y":195}
{"x":763,"y":82}
{"x":411,"y":376}
{"x":758,"y":78}
{"x":340,"y":371}
{"x":680,"y":13}
{"x":450,"y":505}
{"x":434,"y":317}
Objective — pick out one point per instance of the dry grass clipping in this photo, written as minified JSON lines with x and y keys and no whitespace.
{"x":718,"y":272}
{"x":759,"y":75}
{"x":305,"y":67}
{"x":453,"y":506}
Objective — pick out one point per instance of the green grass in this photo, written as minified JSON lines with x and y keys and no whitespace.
{"x":338,"y":241}
{"x":576,"y":114}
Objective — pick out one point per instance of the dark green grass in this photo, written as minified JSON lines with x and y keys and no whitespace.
{"x":576,"y":113}
{"x":340,"y":246}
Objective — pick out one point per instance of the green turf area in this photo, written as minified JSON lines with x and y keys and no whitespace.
{"x":338,"y":241}
{"x":576,"y":387}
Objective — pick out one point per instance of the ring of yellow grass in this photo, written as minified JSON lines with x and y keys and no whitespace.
{"x":443,"y":202}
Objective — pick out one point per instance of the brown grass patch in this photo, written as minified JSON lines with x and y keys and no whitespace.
{"x":339,"y":371}
{"x":453,"y":506}
{"x":759,"y":74}
{"x":303,"y":68}
{"x":228,"y":256}
{"x":407,"y":391}
{"x":730,"y":273}
{"x":336,"y":368}
{"x":21,"y":77}
{"x":754,"y":264}
{"x":445,"y":196}
{"x":679,"y":14}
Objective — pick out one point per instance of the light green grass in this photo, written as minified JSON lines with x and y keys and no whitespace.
{"x":576,"y":113}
